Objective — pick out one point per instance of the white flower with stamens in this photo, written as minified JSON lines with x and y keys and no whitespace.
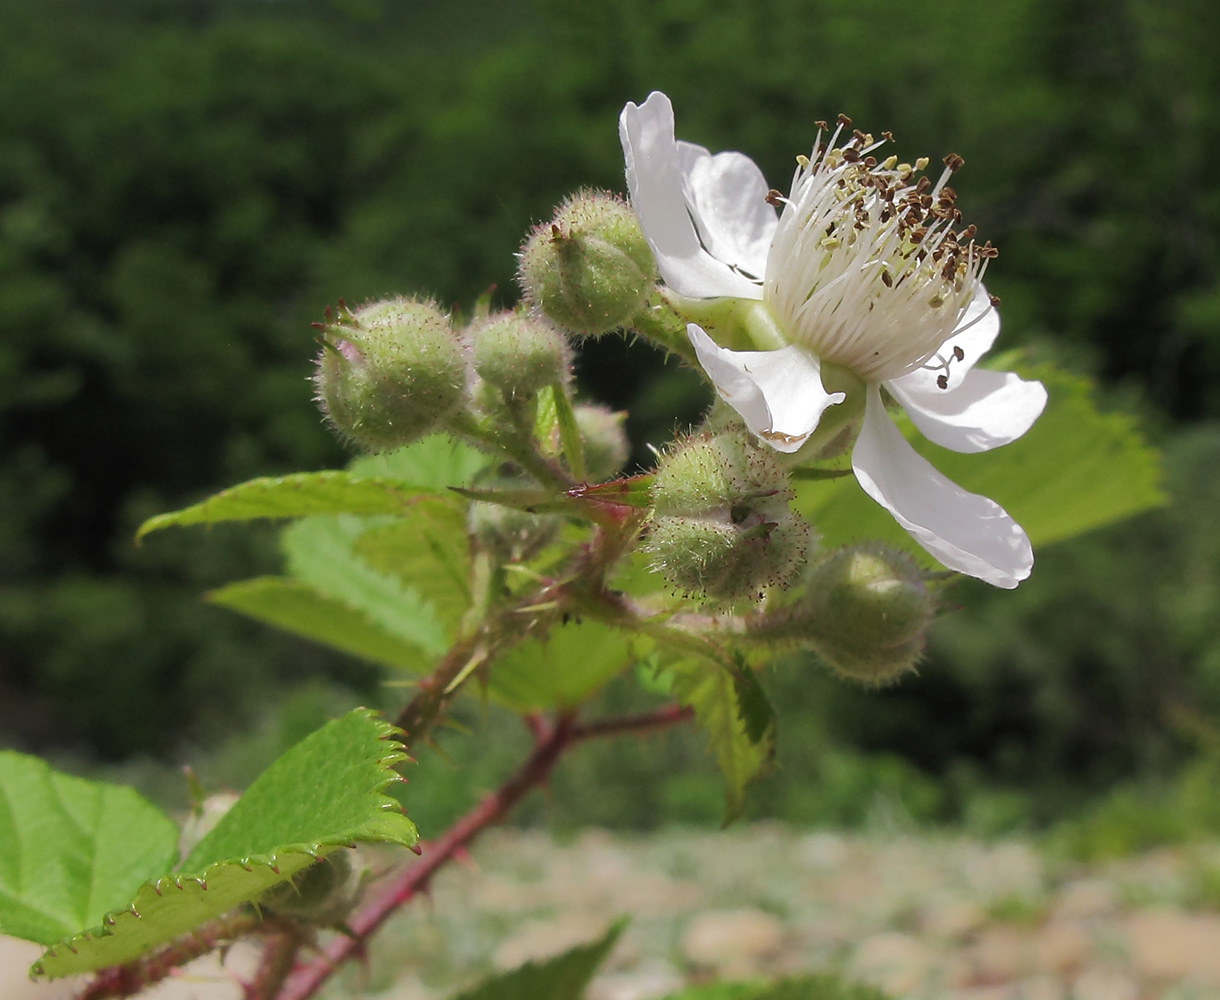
{"x":860,"y":283}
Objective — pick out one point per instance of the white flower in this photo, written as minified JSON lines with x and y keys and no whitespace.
{"x":861,"y":282}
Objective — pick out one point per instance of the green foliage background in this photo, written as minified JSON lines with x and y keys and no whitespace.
{"x":184,"y":184}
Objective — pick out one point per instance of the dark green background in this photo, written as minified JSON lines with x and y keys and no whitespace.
{"x":184,"y":185}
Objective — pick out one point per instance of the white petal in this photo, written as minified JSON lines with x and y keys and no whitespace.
{"x":654,"y":181}
{"x":779,"y":394}
{"x":975,"y":334}
{"x":985,"y":410}
{"x":727,"y":197}
{"x":965,"y":531}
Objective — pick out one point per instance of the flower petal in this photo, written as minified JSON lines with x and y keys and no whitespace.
{"x":727,"y":198}
{"x":975,"y":334}
{"x":655,"y":183}
{"x":779,"y":394}
{"x":985,"y":410}
{"x":965,"y":531}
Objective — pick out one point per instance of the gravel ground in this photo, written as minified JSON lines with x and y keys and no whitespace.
{"x":925,"y":917}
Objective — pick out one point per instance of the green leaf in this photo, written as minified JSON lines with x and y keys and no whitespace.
{"x":798,"y":988}
{"x":561,"y":978}
{"x":296,"y":607}
{"x":1077,"y":469}
{"x":375,"y":484}
{"x":289,"y":496}
{"x":321,"y":554}
{"x":561,"y":670}
{"x":428,"y":550}
{"x":324,"y":793}
{"x":72,"y":849}
{"x":569,"y":433}
{"x":753,"y":705}
{"x":712,"y":691}
{"x":433,"y":464}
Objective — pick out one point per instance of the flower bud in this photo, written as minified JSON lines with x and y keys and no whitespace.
{"x":589,"y":269}
{"x":722,"y":527}
{"x":518,"y":353}
{"x":322,"y":894}
{"x":866,"y":612}
{"x":389,"y":372}
{"x":605,"y":441}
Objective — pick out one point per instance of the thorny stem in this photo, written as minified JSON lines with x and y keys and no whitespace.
{"x":670,"y":715}
{"x":549,"y":743}
{"x":278,"y":958}
{"x":134,"y":977}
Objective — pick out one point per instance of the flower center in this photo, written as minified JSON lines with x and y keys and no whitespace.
{"x":866,"y":268}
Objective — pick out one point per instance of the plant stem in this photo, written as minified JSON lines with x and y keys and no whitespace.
{"x":662,"y":718}
{"x":550,"y":742}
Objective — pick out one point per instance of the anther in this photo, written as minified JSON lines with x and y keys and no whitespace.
{"x":942,"y":381}
{"x":954,"y":162}
{"x":844,"y":121}
{"x":774,"y":198}
{"x":958,"y":353}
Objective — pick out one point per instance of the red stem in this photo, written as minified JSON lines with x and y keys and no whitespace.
{"x":662,"y":718}
{"x":549,"y":743}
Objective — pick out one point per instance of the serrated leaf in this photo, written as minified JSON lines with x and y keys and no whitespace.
{"x":711,"y":690}
{"x":72,"y":849}
{"x":297,"y":608}
{"x":432,"y":464}
{"x":797,"y":988}
{"x":1077,"y":469}
{"x":293,"y":496}
{"x":326,"y":792}
{"x":320,"y":554}
{"x":375,"y":484}
{"x":561,"y":978}
{"x":562,"y":670}
{"x":427,"y":549}
{"x":753,"y":705}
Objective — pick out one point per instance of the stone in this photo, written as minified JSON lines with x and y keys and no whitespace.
{"x":735,"y":943}
{"x":897,"y":963}
{"x":1170,"y":945}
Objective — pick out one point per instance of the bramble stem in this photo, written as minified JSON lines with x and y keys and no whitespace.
{"x":549,"y":743}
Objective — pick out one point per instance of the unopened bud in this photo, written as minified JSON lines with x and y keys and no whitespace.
{"x":605,"y":442}
{"x":322,"y":894}
{"x":389,"y":372}
{"x":866,"y":612}
{"x":589,"y":269}
{"x":518,"y":353}
{"x":722,"y":527}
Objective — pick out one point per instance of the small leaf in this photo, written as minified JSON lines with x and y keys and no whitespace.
{"x":289,"y":496}
{"x":561,"y":978}
{"x":711,"y":691}
{"x":375,"y":484}
{"x":1077,"y":469}
{"x":427,"y":549}
{"x":321,"y":554}
{"x":569,"y":433}
{"x":433,"y":464}
{"x":324,"y":793}
{"x":754,"y":707}
{"x":562,"y":670}
{"x":296,"y":607}
{"x":72,"y":849}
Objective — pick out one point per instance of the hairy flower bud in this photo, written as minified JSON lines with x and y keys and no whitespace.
{"x":866,"y":613}
{"x":605,"y":441}
{"x":589,"y":269}
{"x":518,"y":353}
{"x":322,"y":894}
{"x":722,"y":527}
{"x":389,"y":371}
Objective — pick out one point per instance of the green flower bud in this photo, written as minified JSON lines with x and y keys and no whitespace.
{"x":389,"y":372}
{"x":866,"y":612}
{"x":722,"y":527}
{"x":518,"y":353}
{"x":322,"y":894}
{"x":605,"y":441}
{"x":589,"y":269}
